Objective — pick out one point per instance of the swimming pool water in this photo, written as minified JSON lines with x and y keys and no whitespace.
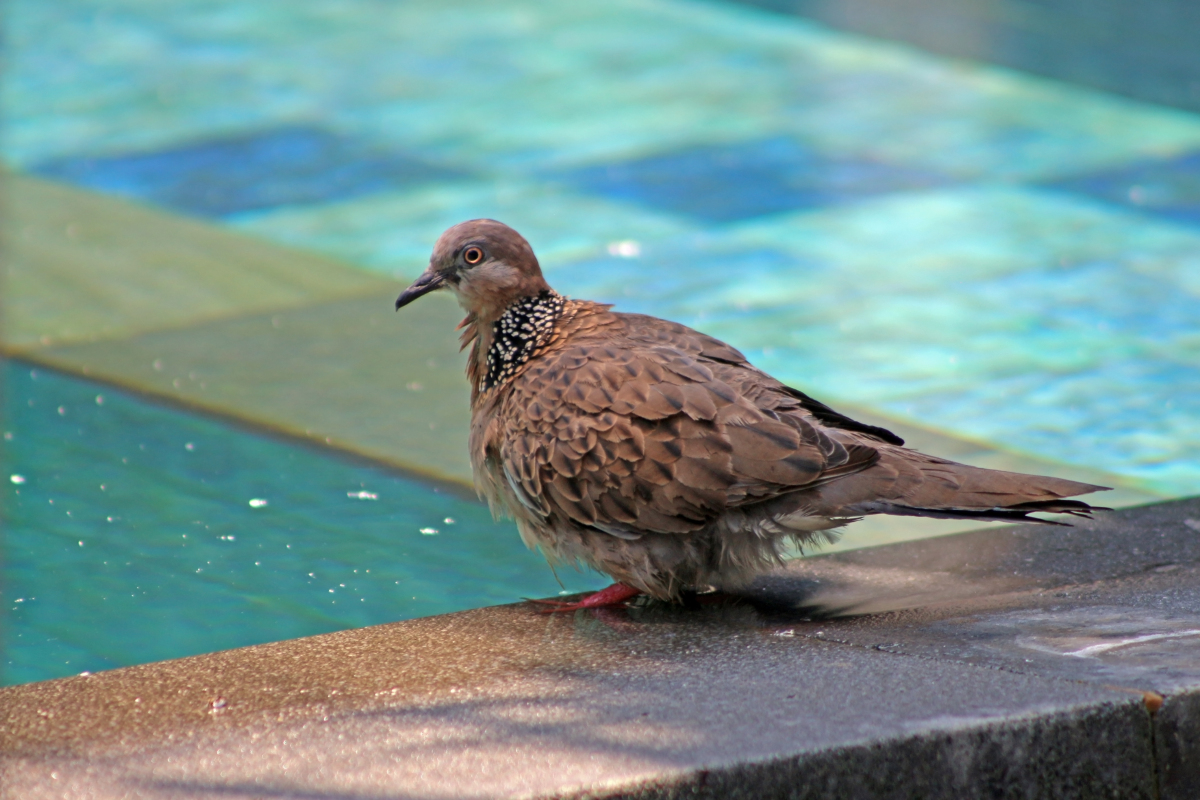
{"x":133,"y":534}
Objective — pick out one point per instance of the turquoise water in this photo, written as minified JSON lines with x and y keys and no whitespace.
{"x":131,"y":536}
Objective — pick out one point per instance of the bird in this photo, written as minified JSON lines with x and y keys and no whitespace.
{"x":661,"y":456}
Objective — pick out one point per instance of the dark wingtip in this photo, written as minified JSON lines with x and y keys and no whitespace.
{"x":885,"y":434}
{"x":837,"y":420}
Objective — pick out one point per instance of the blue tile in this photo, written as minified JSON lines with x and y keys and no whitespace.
{"x":726,"y":182}
{"x":1165,"y":187}
{"x":289,"y":165}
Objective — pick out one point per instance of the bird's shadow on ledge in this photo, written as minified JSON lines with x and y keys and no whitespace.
{"x":797,"y":603}
{"x":792,"y":596}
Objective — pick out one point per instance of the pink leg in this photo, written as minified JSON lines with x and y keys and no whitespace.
{"x":614,"y":595}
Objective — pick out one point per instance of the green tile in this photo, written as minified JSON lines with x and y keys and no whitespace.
{"x":350,"y":373}
{"x":82,"y":267}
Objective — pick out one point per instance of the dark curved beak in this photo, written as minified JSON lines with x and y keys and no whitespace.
{"x":428,"y":282}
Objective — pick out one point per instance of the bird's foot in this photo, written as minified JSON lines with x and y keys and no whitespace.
{"x":616,"y":595}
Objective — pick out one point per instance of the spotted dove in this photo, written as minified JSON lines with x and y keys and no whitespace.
{"x":661,"y":456}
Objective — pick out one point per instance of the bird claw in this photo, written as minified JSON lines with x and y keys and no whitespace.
{"x":616,"y":595}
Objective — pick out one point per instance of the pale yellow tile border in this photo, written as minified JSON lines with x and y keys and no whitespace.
{"x":349,"y":373}
{"x":79,"y":266}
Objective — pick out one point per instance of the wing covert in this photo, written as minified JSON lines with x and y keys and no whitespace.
{"x":654,"y":438}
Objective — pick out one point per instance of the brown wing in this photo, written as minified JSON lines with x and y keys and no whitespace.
{"x":632,"y":435}
{"x":651,"y":330}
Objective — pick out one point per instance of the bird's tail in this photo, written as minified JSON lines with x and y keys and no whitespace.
{"x":905,"y":482}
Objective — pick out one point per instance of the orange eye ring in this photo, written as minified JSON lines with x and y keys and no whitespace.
{"x":473,"y":255}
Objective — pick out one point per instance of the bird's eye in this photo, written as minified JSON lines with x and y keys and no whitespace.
{"x":473,"y":255}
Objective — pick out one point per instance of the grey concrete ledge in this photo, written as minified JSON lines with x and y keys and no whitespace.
{"x":1016,"y":662}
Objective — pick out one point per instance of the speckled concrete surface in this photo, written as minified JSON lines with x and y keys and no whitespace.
{"x":1018,"y":662}
{"x":507,"y":703}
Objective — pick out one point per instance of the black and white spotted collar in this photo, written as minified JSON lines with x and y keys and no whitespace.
{"x":521,"y":329}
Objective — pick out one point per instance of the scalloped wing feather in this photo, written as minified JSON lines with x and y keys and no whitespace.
{"x":656,"y":429}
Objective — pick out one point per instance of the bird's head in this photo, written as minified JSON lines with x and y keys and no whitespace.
{"x":485,"y":263}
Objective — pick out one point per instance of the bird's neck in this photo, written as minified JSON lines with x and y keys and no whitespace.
{"x":502,"y":347}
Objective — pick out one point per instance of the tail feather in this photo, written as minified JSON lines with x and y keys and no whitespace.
{"x":1016,"y":513}
{"x":905,"y":482}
